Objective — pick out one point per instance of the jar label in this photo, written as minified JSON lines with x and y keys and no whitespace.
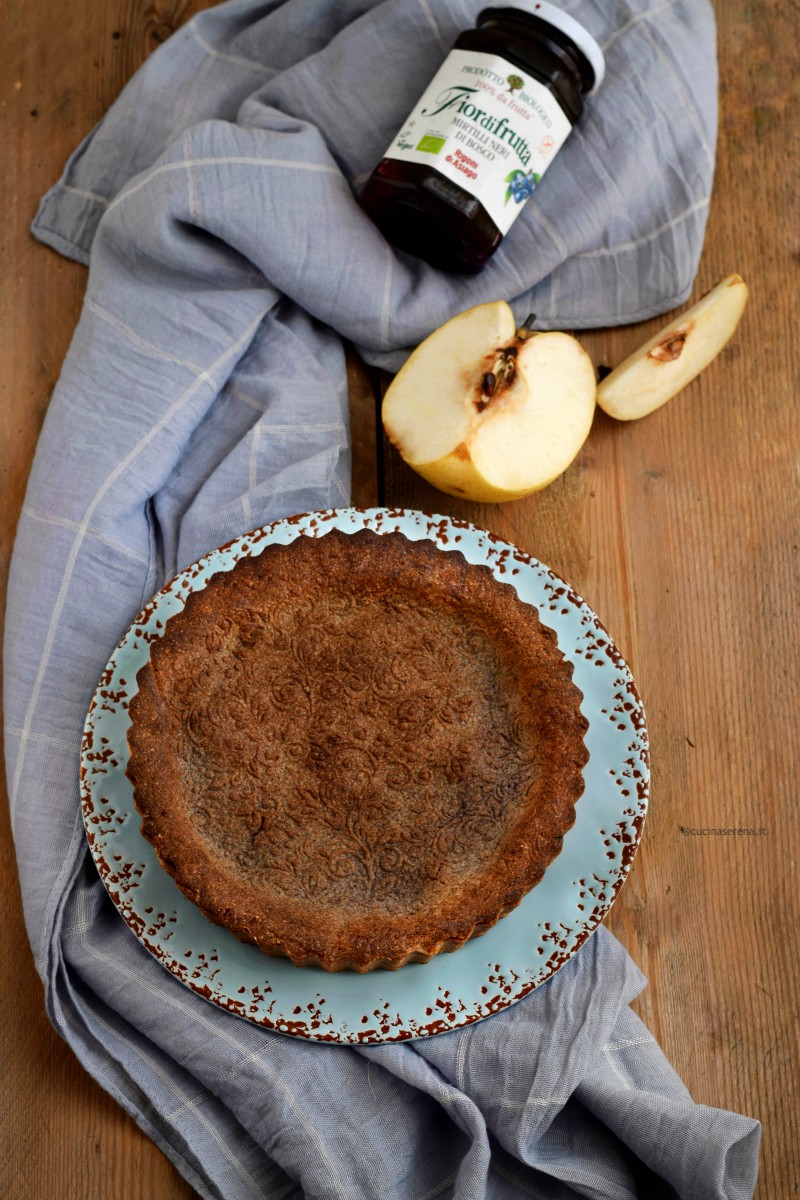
{"x":486,"y":126}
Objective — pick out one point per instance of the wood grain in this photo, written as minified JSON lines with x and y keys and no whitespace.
{"x":682,"y":531}
{"x":62,"y":1136}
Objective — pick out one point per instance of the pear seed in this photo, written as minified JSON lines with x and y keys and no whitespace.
{"x":671,"y":347}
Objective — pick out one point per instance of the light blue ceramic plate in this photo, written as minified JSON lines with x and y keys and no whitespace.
{"x":488,"y":973}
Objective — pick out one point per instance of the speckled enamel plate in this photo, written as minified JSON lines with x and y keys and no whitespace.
{"x":488,"y":973}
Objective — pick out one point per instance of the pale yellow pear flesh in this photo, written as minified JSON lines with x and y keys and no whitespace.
{"x":499,"y":444}
{"x":666,"y":363}
{"x":530,"y":439}
{"x":424,"y":410}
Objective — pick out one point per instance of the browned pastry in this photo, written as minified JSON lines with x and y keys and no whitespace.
{"x":356,"y":750}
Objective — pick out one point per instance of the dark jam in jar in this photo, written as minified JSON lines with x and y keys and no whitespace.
{"x":483,"y":133}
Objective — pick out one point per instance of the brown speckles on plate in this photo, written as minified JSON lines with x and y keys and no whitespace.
{"x":453,"y":990}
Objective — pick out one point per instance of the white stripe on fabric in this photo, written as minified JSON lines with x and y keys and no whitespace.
{"x":555,"y":237}
{"x":431,"y":19}
{"x":330,"y":427}
{"x":154,"y":1065}
{"x":253,"y":475}
{"x":186,"y":115}
{"x":461,"y":1055}
{"x":387,"y":295}
{"x":78,"y":926}
{"x":532,"y":1101}
{"x":340,"y":488}
{"x":120,"y":468}
{"x":605,"y":251}
{"x":688,"y":105}
{"x":77,"y":839}
{"x":438,"y":1188}
{"x":188,"y":1104}
{"x":46,"y":738}
{"x":149,"y":347}
{"x":219,"y":1079}
{"x":65,"y":523}
{"x":216,"y":1028}
{"x":555,"y":292}
{"x":635,"y":20}
{"x":236,"y":59}
{"x":253,"y":478}
{"x":526,"y":1187}
{"x":640,"y":1041}
{"x":191,"y":187}
{"x":449,"y":1097}
{"x":238,"y":393}
{"x":159,"y":1133}
{"x":230,"y":160}
{"x":74,"y":191}
{"x":610,"y":1060}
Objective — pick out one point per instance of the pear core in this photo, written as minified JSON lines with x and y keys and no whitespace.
{"x":429,"y":407}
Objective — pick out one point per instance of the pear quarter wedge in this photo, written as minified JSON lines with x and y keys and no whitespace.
{"x":660,"y":368}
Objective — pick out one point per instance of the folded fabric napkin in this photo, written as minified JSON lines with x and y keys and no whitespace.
{"x":204,"y":394}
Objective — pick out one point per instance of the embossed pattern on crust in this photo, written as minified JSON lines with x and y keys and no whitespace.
{"x":356,"y":750}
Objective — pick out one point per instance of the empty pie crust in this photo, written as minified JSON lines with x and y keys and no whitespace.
{"x":356,"y":750}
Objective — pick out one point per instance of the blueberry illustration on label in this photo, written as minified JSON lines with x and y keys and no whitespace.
{"x":520,"y":185}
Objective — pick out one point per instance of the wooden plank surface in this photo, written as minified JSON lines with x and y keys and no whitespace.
{"x":62,"y":1135}
{"x":682,"y":531}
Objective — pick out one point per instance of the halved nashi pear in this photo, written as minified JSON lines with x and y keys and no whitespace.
{"x":490,"y":412}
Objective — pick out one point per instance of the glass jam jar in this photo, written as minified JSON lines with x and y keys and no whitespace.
{"x":483,"y":133}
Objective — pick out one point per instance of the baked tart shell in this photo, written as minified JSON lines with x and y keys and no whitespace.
{"x":356,"y":751}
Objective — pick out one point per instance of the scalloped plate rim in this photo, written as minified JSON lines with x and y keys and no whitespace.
{"x":510,"y":981}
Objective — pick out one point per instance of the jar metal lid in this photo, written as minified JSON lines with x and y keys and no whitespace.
{"x":566,"y":24}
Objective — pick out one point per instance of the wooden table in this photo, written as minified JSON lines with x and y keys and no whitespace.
{"x":681,"y":531}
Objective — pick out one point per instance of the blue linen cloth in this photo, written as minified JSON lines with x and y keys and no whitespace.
{"x":204,"y":393}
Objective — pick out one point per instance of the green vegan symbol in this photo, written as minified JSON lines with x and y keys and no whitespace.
{"x":515,"y":82}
